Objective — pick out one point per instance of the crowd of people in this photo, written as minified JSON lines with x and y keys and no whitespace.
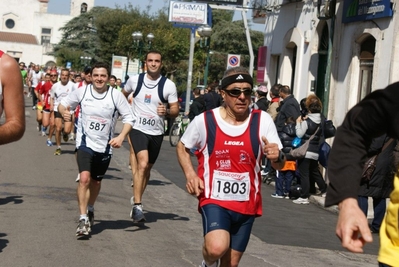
{"x":47,"y":86}
{"x":259,"y":137}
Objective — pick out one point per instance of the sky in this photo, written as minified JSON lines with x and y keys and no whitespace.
{"x":63,"y":7}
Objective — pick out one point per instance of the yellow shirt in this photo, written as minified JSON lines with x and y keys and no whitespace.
{"x":389,"y":232}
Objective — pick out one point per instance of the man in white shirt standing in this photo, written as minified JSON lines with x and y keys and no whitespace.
{"x":152,"y":93}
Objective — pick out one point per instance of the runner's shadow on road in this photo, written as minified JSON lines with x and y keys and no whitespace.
{"x":101,"y":225}
{"x":15,"y":199}
{"x":157,"y":182}
{"x":152,"y":217}
{"x":111,"y":177}
{"x":3,"y":242}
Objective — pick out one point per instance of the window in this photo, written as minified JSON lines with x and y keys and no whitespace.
{"x":366,"y":66}
{"x":83,"y":8}
{"x":46,"y":36}
{"x":10,"y":23}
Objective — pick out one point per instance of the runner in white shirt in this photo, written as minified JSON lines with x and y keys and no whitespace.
{"x":151,"y":94}
{"x":100,"y":106}
{"x":34,"y":77}
{"x":59,"y":91}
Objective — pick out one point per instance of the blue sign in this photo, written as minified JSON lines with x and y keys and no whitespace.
{"x":68,"y":65}
{"x":360,"y":10}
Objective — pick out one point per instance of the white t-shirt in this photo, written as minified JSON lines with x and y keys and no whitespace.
{"x":195,"y":134}
{"x":59,"y":91}
{"x":98,"y":116}
{"x":145,"y":104}
{"x":36,"y":77}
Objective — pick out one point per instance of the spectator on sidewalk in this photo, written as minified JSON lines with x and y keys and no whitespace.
{"x":376,"y":114}
{"x":309,"y":165}
{"x":286,"y":175}
{"x":198,"y":105}
{"x":289,"y":107}
{"x":212,"y":99}
{"x":381,"y":183}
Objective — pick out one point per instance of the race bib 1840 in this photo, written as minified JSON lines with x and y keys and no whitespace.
{"x":229,"y":186}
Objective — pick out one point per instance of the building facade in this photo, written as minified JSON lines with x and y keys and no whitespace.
{"x":28,"y":32}
{"x":339,"y":50}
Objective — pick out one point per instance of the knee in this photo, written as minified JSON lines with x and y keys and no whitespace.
{"x":84,"y":179}
{"x":215,"y":249}
{"x":143,"y":165}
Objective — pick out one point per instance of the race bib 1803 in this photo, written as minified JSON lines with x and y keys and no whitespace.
{"x":230,"y":186}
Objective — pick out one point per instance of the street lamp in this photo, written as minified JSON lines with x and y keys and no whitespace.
{"x":85,"y":60}
{"x":139,"y":44}
{"x":205,"y":33}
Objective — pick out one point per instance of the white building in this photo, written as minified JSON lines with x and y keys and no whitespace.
{"x":28,"y":32}
{"x":340,"y":51}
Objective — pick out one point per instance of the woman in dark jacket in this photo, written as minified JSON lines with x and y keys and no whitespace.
{"x":309,"y":165}
{"x":381,"y":183}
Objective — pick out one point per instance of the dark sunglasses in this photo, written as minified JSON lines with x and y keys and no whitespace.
{"x":236,"y":92}
{"x":54,"y":75}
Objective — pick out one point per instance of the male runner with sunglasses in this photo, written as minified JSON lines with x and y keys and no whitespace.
{"x":228,"y":182}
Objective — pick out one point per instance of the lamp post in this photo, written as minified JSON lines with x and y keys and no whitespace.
{"x":205,"y":33}
{"x":86,"y":60}
{"x":139,"y":44}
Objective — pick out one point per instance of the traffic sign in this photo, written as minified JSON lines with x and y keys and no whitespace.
{"x":233,"y":61}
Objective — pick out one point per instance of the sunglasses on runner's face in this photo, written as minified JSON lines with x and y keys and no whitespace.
{"x":236,"y":92}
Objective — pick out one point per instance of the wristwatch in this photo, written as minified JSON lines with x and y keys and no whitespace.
{"x":281,"y":157}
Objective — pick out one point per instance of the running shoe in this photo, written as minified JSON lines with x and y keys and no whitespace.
{"x":275,"y":195}
{"x":77,"y":178}
{"x":203,"y":264}
{"x":301,"y":201}
{"x":137,"y":212}
{"x":49,"y":143}
{"x":43,"y":133}
{"x":65,"y":137}
{"x":90,"y":215}
{"x":83,"y":228}
{"x":71,"y":137}
{"x":57,"y":152}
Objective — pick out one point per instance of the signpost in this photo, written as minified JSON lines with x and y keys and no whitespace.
{"x":189,"y":15}
{"x":233,"y":61}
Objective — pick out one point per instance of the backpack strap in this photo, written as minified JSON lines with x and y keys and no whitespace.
{"x":160,"y":89}
{"x":139,"y":84}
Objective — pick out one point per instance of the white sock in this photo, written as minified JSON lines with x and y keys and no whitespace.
{"x":83,"y":217}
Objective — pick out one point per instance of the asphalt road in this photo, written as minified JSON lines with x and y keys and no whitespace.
{"x":39,"y":213}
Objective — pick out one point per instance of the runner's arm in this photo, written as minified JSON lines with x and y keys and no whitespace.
{"x":13,"y":101}
{"x":173,"y":110}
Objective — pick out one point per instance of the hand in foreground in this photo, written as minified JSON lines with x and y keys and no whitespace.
{"x":352,"y":226}
{"x":67,"y":114}
{"x":271,"y":150}
{"x":116,"y":142}
{"x":195,"y":186}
